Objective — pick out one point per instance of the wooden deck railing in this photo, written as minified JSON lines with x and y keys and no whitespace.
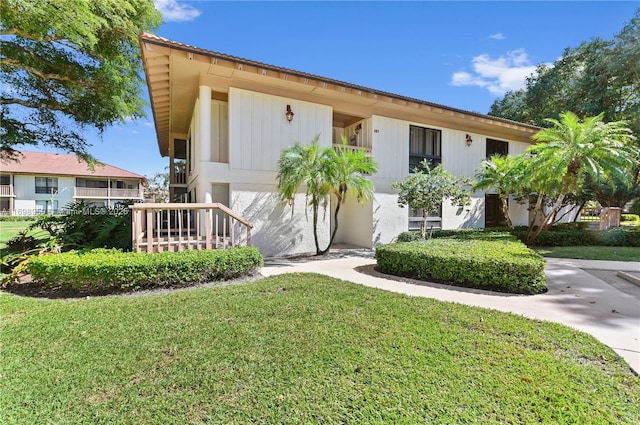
{"x":177,"y":227}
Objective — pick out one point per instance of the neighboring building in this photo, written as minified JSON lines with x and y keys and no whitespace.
{"x":44,"y":183}
{"x":223,"y":122}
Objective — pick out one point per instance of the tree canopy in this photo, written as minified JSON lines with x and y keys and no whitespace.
{"x":598,"y":76}
{"x":67,"y":65}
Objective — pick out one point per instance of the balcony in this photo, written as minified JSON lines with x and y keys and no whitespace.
{"x":6,"y":190}
{"x":91,"y":192}
{"x":338,"y":146}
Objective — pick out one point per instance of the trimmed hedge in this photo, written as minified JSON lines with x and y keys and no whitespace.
{"x":501,"y":265}
{"x":630,"y":217}
{"x":574,"y":237}
{"x":493,"y":233}
{"x":18,"y":217}
{"x":104,"y":269}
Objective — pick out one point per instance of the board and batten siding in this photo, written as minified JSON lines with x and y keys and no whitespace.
{"x":390,"y":147}
{"x":259,"y":130}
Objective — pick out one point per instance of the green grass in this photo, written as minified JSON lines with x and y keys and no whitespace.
{"x":299,"y":349}
{"x":8,"y":229}
{"x":613,"y":253}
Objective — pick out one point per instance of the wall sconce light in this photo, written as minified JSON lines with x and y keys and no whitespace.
{"x":468,"y":139}
{"x":358,"y":128}
{"x":289,"y":114}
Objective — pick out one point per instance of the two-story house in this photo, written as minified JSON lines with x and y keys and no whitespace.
{"x":44,"y":183}
{"x":223,"y":122}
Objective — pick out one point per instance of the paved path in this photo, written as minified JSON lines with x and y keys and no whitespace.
{"x":575,"y":297}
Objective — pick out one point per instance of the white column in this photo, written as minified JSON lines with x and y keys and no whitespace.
{"x":204,"y":132}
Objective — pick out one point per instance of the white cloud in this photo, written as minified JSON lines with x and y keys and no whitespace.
{"x":497,"y":36}
{"x":498,"y":75}
{"x":174,"y":11}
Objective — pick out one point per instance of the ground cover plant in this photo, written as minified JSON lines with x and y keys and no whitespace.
{"x":109,"y":269}
{"x":299,"y":349}
{"x":471,"y":258}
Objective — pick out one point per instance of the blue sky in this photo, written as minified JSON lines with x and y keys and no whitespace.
{"x":460,"y":54}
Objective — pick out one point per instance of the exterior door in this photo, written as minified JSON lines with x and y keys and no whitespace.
{"x":493,"y":211}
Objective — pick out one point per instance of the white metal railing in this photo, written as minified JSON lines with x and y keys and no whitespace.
{"x":177,"y":227}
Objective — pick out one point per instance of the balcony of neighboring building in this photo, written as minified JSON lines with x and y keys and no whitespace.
{"x":6,"y":185}
{"x":107,"y":189}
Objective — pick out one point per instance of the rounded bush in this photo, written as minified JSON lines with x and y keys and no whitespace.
{"x":107,"y":269}
{"x":500,"y":265}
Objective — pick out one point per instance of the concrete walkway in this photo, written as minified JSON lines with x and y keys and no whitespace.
{"x":575,"y":297}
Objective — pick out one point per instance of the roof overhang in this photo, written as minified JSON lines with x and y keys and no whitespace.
{"x":175,"y":70}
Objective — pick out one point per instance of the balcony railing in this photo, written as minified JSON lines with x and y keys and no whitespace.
{"x":366,"y":150}
{"x":91,"y":192}
{"x":177,"y":227}
{"x":6,"y":190}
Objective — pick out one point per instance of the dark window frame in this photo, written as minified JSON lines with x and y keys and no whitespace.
{"x":496,"y":147}
{"x":47,"y":188}
{"x":431,"y":149}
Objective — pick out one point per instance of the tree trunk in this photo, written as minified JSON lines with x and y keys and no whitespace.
{"x":335,"y":228}
{"x":505,"y":209}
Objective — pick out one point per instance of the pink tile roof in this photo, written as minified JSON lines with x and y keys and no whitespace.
{"x":61,"y":165}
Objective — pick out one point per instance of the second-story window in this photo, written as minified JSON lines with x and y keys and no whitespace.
{"x":47,"y":185}
{"x":424,"y":144}
{"x":497,"y":147}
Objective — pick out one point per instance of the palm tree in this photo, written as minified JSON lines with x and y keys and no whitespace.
{"x":499,"y":173}
{"x":349,"y":168}
{"x":572,"y":149}
{"x":307,"y":166}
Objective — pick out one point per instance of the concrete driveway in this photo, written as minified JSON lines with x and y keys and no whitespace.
{"x":575,"y":298}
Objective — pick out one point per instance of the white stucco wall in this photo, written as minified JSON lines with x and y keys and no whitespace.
{"x":276,"y":230}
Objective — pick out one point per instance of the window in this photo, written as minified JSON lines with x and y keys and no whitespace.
{"x":434,"y":220}
{"x":46,"y":207}
{"x":497,"y":147}
{"x":5,"y":179}
{"x":47,"y":185}
{"x":424,"y":144}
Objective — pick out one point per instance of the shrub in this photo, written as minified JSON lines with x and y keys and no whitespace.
{"x":85,"y":226}
{"x":502,"y":265}
{"x":479,"y":233}
{"x":567,"y":237}
{"x":105,"y":270}
{"x":18,"y":217}
{"x":630,"y":217}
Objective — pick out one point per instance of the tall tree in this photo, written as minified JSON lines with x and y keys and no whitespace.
{"x":570,"y":151}
{"x":598,"y":76}
{"x":349,"y":168}
{"x":323,"y":172}
{"x":306,"y":166}
{"x":157,"y":188}
{"x":69,"y":64}
{"x":427,"y":188}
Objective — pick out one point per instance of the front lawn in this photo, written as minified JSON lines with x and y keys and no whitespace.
{"x":299,"y":348}
{"x":611,"y":253}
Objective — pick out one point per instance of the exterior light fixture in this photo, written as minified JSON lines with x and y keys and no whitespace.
{"x":289,"y":114}
{"x":468,"y":139}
